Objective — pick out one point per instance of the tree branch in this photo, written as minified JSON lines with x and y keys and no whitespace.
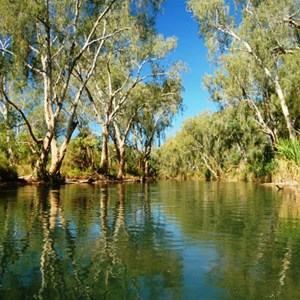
{"x":37,"y":141}
{"x":93,"y":30}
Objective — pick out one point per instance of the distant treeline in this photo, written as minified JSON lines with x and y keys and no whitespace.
{"x":256,"y":49}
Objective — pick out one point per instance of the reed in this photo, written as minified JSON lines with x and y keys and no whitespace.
{"x":290,"y":150}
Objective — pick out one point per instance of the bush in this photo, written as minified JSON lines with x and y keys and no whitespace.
{"x":289,"y":150}
{"x":83,"y":155}
{"x":262,"y":163}
{"x":7,"y":173}
{"x":286,"y":170}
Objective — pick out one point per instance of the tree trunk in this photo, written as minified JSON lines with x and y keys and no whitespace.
{"x":40,"y":169}
{"x":11,"y":157}
{"x":57,"y":156}
{"x":55,"y":166}
{"x":146,"y":159}
{"x":274,"y":79}
{"x":285,"y":110}
{"x":54,"y":158}
{"x":9,"y":133}
{"x":146,"y":167}
{"x":104,"y":153}
{"x":121,"y":159}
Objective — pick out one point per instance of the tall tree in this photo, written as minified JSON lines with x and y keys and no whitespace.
{"x":237,"y":82}
{"x":217,"y":145}
{"x":135,"y":58}
{"x":8,"y":120}
{"x":47,"y":40}
{"x":163,"y":103}
{"x":267,"y":32}
{"x":123,"y":123}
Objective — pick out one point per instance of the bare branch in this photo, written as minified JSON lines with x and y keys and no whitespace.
{"x":109,"y":78}
{"x":21,"y":113}
{"x":25,"y":63}
{"x":34,"y":69}
{"x":248,"y":7}
{"x":294,"y":14}
{"x":4,"y":50}
{"x":106,"y":37}
{"x":291,"y":21}
{"x":5,"y":43}
{"x":84,"y":82}
{"x":34,"y":49}
{"x":88,"y":41}
{"x":57,"y":52}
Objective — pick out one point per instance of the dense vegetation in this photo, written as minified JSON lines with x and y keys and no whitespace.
{"x":255,"y":45}
{"x":71,"y":69}
{"x":68,"y":68}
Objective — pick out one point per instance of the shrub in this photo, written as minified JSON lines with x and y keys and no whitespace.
{"x":7,"y":173}
{"x":289,"y":150}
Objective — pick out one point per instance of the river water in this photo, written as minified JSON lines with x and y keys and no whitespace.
{"x":164,"y":240}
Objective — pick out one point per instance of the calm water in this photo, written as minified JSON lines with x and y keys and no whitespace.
{"x":166,"y":240}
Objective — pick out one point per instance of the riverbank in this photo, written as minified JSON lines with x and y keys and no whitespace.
{"x":98,"y":179}
{"x":84,"y":179}
{"x":283,"y":185}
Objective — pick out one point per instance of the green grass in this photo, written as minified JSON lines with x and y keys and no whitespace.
{"x":289,"y":150}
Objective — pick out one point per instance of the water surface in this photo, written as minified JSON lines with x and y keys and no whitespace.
{"x":165,"y":240}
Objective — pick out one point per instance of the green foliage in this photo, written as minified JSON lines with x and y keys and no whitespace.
{"x":7,"y":173}
{"x":260,"y":63}
{"x":261,"y":162}
{"x":49,"y":51}
{"x":289,"y":150}
{"x":132,"y":162}
{"x":215,"y":145}
{"x":170,"y":159}
{"x":83,"y":154}
{"x":255,"y":47}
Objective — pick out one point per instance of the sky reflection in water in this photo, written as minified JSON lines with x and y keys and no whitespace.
{"x":166,"y":240}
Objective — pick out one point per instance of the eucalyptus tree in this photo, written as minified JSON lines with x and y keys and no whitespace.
{"x":216,"y":145}
{"x":135,"y":58}
{"x":236,"y":83}
{"x":170,"y":159}
{"x":8,"y":118}
{"x":267,"y":33}
{"x":7,"y":124}
{"x":46,"y":41}
{"x":164,"y":102}
{"x":123,"y":122}
{"x":206,"y":147}
{"x":148,"y":112}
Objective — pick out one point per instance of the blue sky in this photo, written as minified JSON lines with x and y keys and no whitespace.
{"x":176,"y":21}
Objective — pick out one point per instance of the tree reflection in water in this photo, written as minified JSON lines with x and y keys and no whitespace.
{"x":254,"y":231}
{"x":170,"y":240}
{"x":59,"y":244}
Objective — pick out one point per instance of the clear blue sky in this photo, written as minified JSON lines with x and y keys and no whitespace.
{"x":176,"y":21}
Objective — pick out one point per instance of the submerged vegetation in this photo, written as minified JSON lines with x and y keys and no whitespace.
{"x":86,"y":88}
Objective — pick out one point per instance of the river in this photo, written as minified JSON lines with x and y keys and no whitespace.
{"x":163,"y":240}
